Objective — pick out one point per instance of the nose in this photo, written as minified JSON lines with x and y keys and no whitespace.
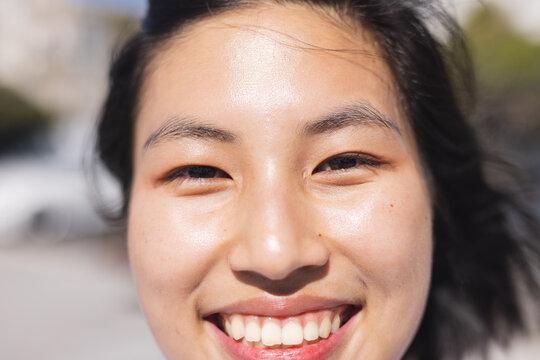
{"x":276,"y":236}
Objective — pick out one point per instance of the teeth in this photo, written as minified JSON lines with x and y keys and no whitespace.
{"x":253,"y":331}
{"x":271,"y":333}
{"x":335,"y":324}
{"x":237,"y":327}
{"x":292,"y":334}
{"x":324,"y":329}
{"x":264,"y":331}
{"x":311,"y":331}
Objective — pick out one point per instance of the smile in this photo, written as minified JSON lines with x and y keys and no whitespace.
{"x":308,"y":335}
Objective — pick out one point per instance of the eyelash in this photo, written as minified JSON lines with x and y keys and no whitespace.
{"x":188,"y":173}
{"x":194,"y":172}
{"x":360,"y":160}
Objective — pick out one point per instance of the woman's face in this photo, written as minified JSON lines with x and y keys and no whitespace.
{"x":278,"y":208}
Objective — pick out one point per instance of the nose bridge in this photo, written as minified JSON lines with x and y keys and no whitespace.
{"x":275,"y":236}
{"x":271,"y":198}
{"x":272,"y":224}
{"x":272,"y":208}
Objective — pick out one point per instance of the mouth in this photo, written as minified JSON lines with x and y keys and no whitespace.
{"x":305,"y":336}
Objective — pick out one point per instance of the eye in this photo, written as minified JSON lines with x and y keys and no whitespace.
{"x":196,"y":173}
{"x":345,"y":162}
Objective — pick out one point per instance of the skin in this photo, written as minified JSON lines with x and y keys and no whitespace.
{"x":361,"y":234}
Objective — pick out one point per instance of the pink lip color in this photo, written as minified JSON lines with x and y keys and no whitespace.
{"x":317,"y":351}
{"x":276,"y":307}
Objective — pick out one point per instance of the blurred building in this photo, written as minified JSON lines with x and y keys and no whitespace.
{"x":56,"y":52}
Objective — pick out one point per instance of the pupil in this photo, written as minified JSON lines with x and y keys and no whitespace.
{"x":202,"y":172}
{"x":342,"y":163}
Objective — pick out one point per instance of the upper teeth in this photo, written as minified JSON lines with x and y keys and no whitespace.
{"x":269,"y":331}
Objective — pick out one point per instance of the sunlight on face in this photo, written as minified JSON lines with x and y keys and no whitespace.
{"x":277,"y":179}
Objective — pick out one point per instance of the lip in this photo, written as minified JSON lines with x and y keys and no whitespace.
{"x":283,"y":307}
{"x":280,"y":307}
{"x":318,"y":351}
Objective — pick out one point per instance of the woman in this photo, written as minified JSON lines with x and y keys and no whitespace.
{"x":300,"y":182}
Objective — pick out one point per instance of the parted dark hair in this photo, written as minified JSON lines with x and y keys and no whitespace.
{"x":486,"y":243}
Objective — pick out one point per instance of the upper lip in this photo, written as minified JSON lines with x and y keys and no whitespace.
{"x":279,"y":307}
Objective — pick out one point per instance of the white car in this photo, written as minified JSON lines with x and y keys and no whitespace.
{"x":45,"y":197}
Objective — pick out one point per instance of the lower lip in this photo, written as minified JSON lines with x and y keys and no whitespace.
{"x":317,"y":351}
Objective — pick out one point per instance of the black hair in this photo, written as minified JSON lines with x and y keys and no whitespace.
{"x":486,"y":243}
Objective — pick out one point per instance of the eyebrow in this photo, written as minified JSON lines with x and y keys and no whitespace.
{"x":360,"y":113}
{"x":187,"y":127}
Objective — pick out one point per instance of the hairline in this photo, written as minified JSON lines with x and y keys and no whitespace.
{"x":347,"y":24}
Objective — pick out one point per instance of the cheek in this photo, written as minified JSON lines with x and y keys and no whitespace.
{"x":171,"y":250}
{"x":385,"y":230}
{"x":385,"y":233}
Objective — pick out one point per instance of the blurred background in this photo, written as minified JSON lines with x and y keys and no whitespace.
{"x":65,"y":286}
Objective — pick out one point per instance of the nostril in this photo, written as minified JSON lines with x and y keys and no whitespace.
{"x":271,"y":261}
{"x":278,"y":258}
{"x":295,"y":281}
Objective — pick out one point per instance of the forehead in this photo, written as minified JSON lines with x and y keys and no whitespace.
{"x":270,"y":66}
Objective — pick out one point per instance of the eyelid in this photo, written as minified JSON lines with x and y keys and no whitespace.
{"x":367,"y":160}
{"x":176,"y":174}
